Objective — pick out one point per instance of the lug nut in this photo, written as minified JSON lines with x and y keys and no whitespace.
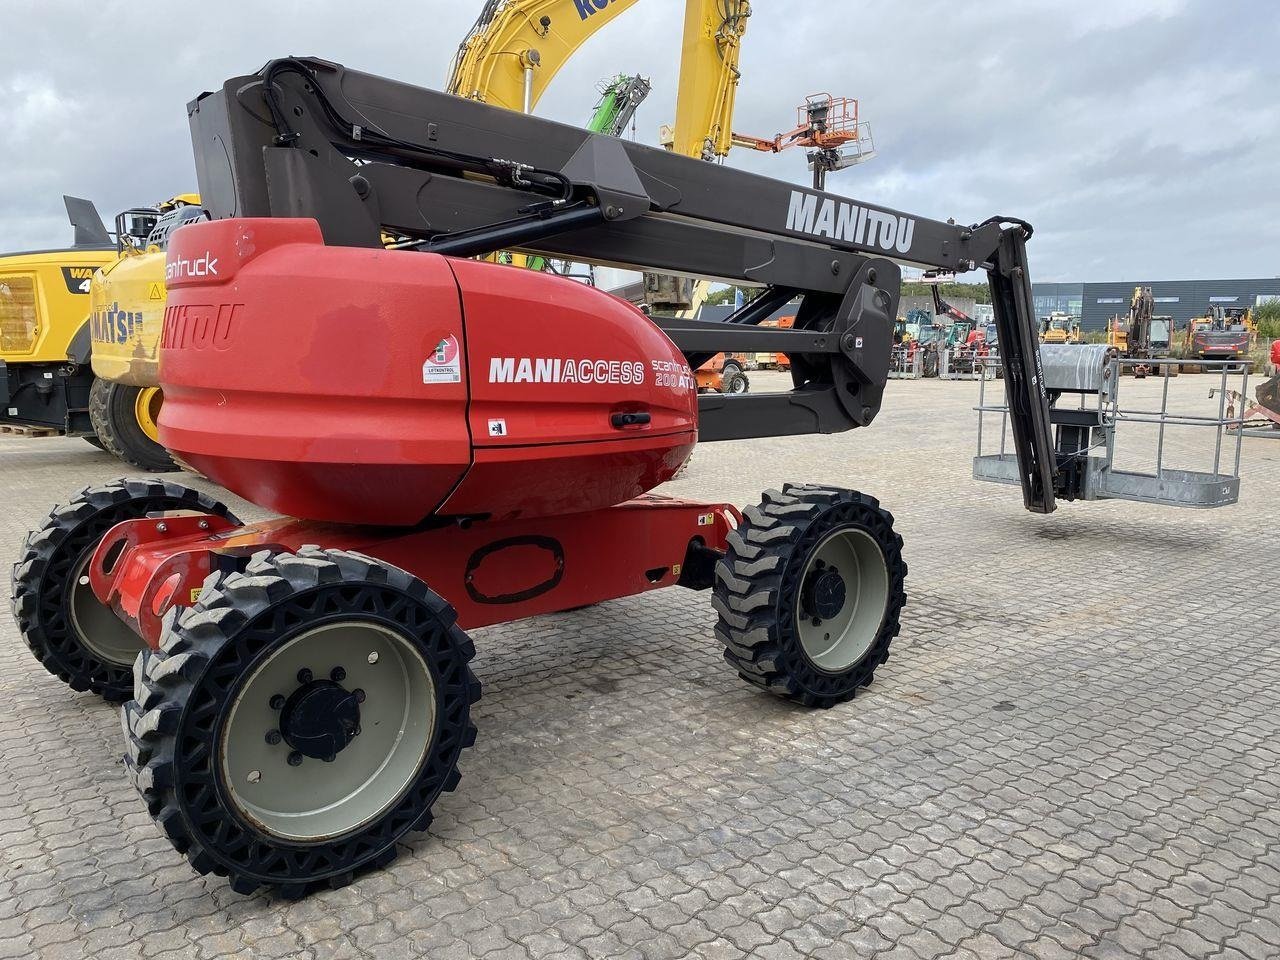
{"x":295,"y":759}
{"x":273,"y":737}
{"x":277,"y":702}
{"x":254,"y":776}
{"x":337,"y":674}
{"x":373,"y":657}
{"x":304,"y":675}
{"x":359,"y":695}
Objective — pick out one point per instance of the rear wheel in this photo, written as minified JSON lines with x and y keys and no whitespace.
{"x":736,"y":383}
{"x":124,"y":419}
{"x":79,"y":640}
{"x":809,"y":593}
{"x":301,"y":719}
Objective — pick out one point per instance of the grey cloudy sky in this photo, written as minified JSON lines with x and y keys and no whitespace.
{"x":1141,"y":137}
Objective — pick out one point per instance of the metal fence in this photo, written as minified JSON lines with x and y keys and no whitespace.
{"x":961,"y":363}
{"x":905,"y":364}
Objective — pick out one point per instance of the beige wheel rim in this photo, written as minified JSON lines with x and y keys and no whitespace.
{"x":308,"y":798}
{"x":844,"y":596}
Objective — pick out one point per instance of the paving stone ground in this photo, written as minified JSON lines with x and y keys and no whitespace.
{"x":1071,"y":752}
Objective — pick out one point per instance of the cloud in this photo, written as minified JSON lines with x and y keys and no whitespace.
{"x":1140,"y":138}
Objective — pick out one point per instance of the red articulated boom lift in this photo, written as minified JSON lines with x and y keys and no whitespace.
{"x":457,"y":443}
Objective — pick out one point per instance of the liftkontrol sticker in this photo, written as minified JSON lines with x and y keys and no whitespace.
{"x":444,"y":365}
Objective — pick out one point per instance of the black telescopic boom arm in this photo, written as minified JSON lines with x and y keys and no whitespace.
{"x":366,"y":156}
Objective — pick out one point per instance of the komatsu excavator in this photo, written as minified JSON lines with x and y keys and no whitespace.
{"x":484,"y":451}
{"x":48,"y":333}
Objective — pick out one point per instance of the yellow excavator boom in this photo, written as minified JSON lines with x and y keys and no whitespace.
{"x":517,"y":47}
{"x":709,"y":76}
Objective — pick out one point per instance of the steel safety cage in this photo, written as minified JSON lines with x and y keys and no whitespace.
{"x":1089,"y":435}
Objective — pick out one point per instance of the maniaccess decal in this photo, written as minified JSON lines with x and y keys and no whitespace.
{"x":444,"y":364}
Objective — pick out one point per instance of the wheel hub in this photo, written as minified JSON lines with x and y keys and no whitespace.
{"x":320,"y":719}
{"x":844,"y":593}
{"x":826,"y":593}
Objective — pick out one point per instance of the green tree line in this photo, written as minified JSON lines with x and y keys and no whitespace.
{"x":1268,"y":317}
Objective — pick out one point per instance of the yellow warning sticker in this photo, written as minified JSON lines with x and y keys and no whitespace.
{"x":195,"y":594}
{"x":156,"y":292}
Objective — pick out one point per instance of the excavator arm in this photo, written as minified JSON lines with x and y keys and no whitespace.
{"x":709,"y":76}
{"x":619,"y":99}
{"x":516,"y":47}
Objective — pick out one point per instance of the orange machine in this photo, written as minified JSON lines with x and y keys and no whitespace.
{"x":827,"y":125}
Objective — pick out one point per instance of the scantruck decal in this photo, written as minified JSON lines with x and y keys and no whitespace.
{"x":822,"y":216}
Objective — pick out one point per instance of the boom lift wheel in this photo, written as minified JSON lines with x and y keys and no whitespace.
{"x":79,"y":640}
{"x":301,"y":719}
{"x":124,"y":419}
{"x":736,"y":382}
{"x":810,"y":592}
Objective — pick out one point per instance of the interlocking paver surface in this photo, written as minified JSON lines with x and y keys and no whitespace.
{"x":1071,"y":752}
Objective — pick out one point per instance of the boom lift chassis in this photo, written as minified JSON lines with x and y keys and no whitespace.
{"x":261,"y":653}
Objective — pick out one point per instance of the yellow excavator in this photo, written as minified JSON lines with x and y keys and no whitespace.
{"x":47,"y":386}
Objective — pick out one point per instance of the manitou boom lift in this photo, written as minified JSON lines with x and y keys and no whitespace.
{"x":361,"y":155}
{"x":454,"y":443}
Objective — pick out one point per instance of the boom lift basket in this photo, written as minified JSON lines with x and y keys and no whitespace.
{"x":906,"y":364}
{"x":1085,"y":434}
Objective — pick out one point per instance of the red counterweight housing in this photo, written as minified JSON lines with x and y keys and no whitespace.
{"x":384,"y":387}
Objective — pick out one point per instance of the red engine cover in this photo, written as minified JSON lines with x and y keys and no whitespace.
{"x":381,"y":387}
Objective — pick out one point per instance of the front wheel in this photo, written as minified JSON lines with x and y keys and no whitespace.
{"x":810,"y":592}
{"x":79,"y":640}
{"x":301,"y":719}
{"x":737,"y":383}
